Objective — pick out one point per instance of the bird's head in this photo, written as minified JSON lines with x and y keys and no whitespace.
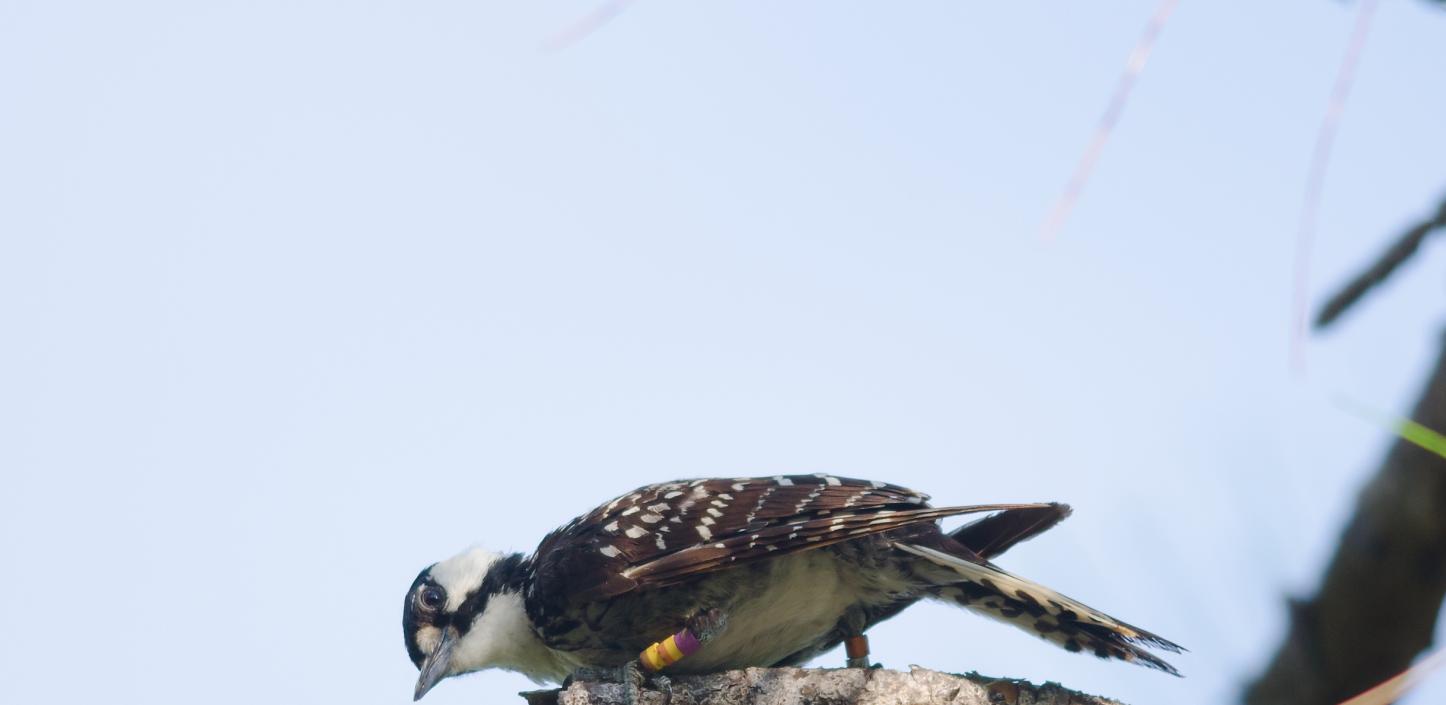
{"x":463,"y":615}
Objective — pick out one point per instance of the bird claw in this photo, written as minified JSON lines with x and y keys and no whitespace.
{"x":664,"y":684}
{"x":633,"y":679}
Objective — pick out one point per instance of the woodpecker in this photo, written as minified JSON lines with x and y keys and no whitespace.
{"x":741,"y":572}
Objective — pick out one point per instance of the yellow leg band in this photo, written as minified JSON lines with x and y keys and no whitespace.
{"x":670,"y":647}
{"x":669,"y":651}
{"x":651,"y":659}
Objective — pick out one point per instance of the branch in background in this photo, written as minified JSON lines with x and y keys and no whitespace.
{"x":1377,"y":605}
{"x":1383,"y":268}
{"x":817,"y":686}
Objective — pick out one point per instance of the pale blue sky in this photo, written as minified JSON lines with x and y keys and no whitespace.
{"x":298,"y":297}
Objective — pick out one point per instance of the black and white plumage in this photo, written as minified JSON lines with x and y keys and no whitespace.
{"x":793,"y":564}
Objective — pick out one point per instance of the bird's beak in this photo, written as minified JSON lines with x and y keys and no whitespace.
{"x":435,"y":667}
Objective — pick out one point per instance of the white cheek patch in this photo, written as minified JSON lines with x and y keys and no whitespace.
{"x":427,"y":639}
{"x":500,"y":636}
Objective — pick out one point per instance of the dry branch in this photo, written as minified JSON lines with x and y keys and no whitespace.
{"x":815,"y":686}
{"x":1383,"y":267}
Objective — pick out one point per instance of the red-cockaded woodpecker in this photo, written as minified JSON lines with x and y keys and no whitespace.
{"x":708,"y":575}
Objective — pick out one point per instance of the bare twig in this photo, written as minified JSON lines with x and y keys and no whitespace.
{"x":1383,"y":267}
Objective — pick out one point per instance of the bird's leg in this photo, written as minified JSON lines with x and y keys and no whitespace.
{"x":698,"y":630}
{"x":856,"y":643}
{"x":701,"y":628}
{"x":707,"y":624}
{"x":857,"y":649}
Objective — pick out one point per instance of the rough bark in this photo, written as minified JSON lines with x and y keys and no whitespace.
{"x":815,"y":686}
{"x":1377,"y":606}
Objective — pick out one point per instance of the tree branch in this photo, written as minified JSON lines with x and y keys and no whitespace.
{"x":816,"y":686}
{"x":1383,"y":267}
{"x":1380,"y":598}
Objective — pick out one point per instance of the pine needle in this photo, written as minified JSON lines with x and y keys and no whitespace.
{"x":1397,"y":686}
{"x":1315,"y":181}
{"x":1106,"y":126}
{"x":589,"y":23}
{"x":1410,"y":431}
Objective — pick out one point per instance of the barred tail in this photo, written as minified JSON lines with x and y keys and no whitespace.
{"x":1039,"y":610}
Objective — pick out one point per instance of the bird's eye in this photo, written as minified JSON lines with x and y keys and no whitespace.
{"x":432,"y":598}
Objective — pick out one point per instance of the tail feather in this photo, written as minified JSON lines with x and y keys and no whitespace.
{"x":1058,"y":619}
{"x":997,"y":533}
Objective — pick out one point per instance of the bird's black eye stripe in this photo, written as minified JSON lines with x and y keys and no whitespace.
{"x":510,"y":573}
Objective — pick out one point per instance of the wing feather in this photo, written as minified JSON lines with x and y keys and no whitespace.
{"x":780,"y":539}
{"x":672,"y":532}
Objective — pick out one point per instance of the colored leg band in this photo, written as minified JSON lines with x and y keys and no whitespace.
{"x":669,"y":651}
{"x":857,"y":649}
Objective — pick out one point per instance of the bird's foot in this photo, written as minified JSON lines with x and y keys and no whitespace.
{"x":700,"y":628}
{"x":663,"y":683}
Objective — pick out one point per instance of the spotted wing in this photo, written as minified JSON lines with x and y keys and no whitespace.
{"x":668,"y":533}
